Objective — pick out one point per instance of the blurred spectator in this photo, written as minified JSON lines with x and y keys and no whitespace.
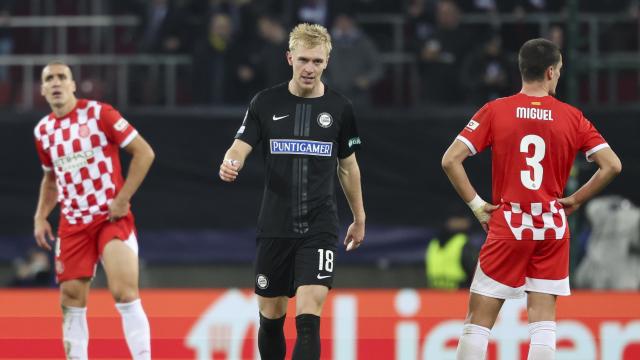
{"x":516,"y":34}
{"x":242,"y":13}
{"x":355,"y":62}
{"x":222,"y":73}
{"x":487,"y":72}
{"x":451,"y":257}
{"x":34,"y":271}
{"x":527,"y":6}
{"x":376,"y":6}
{"x":6,"y":39}
{"x":440,"y":56}
{"x":312,"y":11}
{"x":420,"y":23}
{"x":612,"y":260}
{"x":272,"y":65}
{"x":162,"y":27}
{"x":478,"y":5}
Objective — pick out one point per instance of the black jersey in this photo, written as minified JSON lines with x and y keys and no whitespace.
{"x":301,"y":141}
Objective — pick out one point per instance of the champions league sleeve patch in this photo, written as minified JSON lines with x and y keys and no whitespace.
{"x":301,"y":147}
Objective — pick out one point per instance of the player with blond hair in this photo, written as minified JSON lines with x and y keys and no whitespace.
{"x":307,"y":131}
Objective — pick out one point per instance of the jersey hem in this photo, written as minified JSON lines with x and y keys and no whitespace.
{"x":513,"y":238}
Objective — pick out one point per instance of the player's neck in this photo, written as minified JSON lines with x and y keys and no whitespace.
{"x":316,"y":91}
{"x":63,"y":110}
{"x":537,"y":89}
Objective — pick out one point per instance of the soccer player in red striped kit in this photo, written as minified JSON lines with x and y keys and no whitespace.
{"x":534,"y":139}
{"x":78,"y":144}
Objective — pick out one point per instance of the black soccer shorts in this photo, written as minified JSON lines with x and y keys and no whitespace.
{"x":284,"y":264}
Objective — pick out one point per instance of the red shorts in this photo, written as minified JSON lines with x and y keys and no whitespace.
{"x":79,"y":248}
{"x":508,"y":268}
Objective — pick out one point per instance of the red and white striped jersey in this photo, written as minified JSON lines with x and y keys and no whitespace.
{"x":534,"y":141}
{"x":82,"y":148}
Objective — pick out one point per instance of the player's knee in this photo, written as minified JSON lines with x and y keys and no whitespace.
{"x":73,"y":295}
{"x":272,"y":308}
{"x":124,"y":294}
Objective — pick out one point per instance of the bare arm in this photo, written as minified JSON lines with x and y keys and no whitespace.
{"x":47,"y":201}
{"x":349,"y":176}
{"x":142,"y":156}
{"x":609,"y":167}
{"x":452,"y":166}
{"x":234,"y":160}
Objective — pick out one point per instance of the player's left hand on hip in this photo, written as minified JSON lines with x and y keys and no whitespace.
{"x":355,"y":236}
{"x":569,"y":205}
{"x":117,"y":209}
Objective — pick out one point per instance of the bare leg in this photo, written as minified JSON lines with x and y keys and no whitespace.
{"x":541,"y":309}
{"x":121,"y":266}
{"x":482,"y":315}
{"x":75,"y":332}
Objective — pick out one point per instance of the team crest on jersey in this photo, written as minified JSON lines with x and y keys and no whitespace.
{"x":472,"y":125}
{"x":301,"y":147}
{"x":325,"y":120}
{"x":262,"y":281}
{"x":83,"y":131}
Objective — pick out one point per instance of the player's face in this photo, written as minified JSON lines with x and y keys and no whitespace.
{"x":57,"y":86}
{"x":555,"y":76}
{"x":308,"y":65}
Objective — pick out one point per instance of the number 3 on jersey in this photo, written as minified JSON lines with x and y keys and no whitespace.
{"x":532,"y":179}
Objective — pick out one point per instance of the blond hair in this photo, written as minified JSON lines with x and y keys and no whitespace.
{"x":309,"y":36}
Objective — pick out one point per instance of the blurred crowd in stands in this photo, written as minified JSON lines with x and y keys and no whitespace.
{"x":237,"y":46}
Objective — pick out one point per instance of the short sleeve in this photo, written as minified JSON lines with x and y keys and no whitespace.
{"x":117,"y":128}
{"x":45,"y":158}
{"x":250,"y":131}
{"x":349,"y":139}
{"x":589,"y":139}
{"x":477,"y":134}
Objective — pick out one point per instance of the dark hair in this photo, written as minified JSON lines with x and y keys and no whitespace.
{"x":535,"y":57}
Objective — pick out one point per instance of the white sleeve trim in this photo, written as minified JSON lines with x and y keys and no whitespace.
{"x":46,"y":168}
{"x":129,"y":139}
{"x":468,"y":143}
{"x":594,"y":150}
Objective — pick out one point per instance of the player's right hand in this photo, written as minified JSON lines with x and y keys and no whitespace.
{"x":483,"y":214}
{"x":43,"y":233}
{"x":229,"y":170}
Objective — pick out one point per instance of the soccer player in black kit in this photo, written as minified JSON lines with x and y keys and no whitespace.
{"x":307,"y":132}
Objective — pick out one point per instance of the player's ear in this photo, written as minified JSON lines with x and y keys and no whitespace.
{"x":290,"y":58}
{"x":73,"y":86}
{"x":549,"y":72}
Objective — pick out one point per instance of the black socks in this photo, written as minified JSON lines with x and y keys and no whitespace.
{"x":308,"y":340}
{"x":271,"y":338}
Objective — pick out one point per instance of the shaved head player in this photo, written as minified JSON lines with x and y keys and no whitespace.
{"x":79,"y":146}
